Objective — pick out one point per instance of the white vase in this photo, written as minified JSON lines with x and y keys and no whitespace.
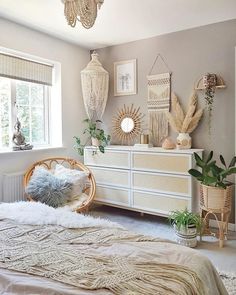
{"x":184,"y":141}
{"x":95,"y":141}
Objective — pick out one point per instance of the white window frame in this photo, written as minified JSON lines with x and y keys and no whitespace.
{"x":55,"y":100}
{"x":13,"y":113}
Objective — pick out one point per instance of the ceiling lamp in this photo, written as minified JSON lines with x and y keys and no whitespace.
{"x":85,"y":11}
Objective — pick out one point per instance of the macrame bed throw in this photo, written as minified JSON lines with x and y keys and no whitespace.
{"x":158,"y":105}
{"x":72,"y":256}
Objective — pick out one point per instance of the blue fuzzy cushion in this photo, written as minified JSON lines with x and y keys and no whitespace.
{"x":48,"y":189}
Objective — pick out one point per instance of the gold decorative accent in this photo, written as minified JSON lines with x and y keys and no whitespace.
{"x":127,"y":134}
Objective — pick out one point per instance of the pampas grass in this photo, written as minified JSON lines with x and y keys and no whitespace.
{"x":181,"y":122}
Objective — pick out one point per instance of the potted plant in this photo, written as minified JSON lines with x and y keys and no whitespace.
{"x":97,"y":135}
{"x":216,"y":190}
{"x":187,"y":226}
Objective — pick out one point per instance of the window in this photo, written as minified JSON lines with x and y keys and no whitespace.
{"x":30,"y":103}
{"x":30,"y":90}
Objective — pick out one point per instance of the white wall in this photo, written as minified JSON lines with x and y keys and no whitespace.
{"x":73,"y":59}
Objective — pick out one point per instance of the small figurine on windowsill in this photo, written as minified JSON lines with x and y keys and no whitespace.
{"x":19,"y":139}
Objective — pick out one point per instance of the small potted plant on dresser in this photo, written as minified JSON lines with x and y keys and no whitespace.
{"x":187,"y":226}
{"x":96,"y":135}
{"x":215,"y":189}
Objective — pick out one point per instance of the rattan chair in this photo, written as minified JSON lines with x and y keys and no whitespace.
{"x":68,"y":163}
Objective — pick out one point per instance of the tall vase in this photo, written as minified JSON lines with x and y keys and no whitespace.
{"x":184,"y":141}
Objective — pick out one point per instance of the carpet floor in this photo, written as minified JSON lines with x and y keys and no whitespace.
{"x":224,"y":259}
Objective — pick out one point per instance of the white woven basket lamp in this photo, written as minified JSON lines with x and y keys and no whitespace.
{"x":95,"y":81}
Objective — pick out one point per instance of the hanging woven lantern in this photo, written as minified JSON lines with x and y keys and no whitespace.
{"x":94,"y":79}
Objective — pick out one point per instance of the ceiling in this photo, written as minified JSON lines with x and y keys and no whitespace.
{"x":119,"y":21}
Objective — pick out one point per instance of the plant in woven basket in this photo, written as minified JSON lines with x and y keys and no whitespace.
{"x":184,"y":123}
{"x":97,"y":135}
{"x":211,"y":174}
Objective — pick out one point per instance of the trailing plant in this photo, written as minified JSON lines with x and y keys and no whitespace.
{"x":185,"y":218}
{"x":181,"y":122}
{"x":211,"y":174}
{"x":92,"y":131}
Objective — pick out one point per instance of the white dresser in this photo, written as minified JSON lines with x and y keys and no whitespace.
{"x":151,"y":180}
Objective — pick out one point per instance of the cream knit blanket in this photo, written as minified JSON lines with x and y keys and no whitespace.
{"x":71,"y":256}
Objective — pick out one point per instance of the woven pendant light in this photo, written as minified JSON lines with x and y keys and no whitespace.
{"x":94,"y":79}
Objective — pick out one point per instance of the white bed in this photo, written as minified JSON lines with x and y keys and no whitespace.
{"x":176,"y":269}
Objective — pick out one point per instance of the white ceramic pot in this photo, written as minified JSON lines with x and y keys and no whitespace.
{"x":184,"y":141}
{"x":186,"y":236}
{"x":95,"y":141}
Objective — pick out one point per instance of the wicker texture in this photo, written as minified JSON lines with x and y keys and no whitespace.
{"x":215,"y":201}
{"x":50,"y":163}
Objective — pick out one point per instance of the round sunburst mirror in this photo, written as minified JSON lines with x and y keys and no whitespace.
{"x":127,"y":124}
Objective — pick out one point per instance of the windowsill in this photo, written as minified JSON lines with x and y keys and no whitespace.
{"x":36,"y":149}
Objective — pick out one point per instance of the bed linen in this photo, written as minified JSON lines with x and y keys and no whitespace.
{"x":103,"y":240}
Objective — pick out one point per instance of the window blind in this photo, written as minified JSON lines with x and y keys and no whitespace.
{"x":23,"y":69}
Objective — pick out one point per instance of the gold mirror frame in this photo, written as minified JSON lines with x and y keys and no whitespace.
{"x":123,"y":113}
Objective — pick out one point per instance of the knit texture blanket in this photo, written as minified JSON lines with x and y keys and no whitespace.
{"x":70,"y":256}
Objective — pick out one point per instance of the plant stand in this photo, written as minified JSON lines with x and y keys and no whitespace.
{"x":217,"y":202}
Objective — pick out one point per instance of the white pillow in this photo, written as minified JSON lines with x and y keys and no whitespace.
{"x":76,"y":177}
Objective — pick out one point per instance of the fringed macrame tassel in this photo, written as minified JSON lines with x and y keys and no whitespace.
{"x":158,"y":125}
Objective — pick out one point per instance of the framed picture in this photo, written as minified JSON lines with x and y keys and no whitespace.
{"x":125,"y":77}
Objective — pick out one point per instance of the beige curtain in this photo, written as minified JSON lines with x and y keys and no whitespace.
{"x":23,"y":69}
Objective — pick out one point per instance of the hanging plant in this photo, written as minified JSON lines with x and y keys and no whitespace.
{"x":209,"y":83}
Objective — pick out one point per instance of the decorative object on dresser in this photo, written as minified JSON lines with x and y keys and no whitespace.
{"x":125,"y":80}
{"x":187,"y":226}
{"x":209,"y":83}
{"x":168,"y":144}
{"x":96,"y":135}
{"x":184,"y":123}
{"x":159,"y":88}
{"x":84,"y":11}
{"x":95,"y":80}
{"x":215,"y":191}
{"x":73,"y":172}
{"x":127,"y":124}
{"x":152,"y":180}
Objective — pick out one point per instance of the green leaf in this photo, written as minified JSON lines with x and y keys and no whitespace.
{"x":231,"y":170}
{"x":209,"y":157}
{"x":101,"y":149}
{"x":199,"y":161}
{"x":195,"y":173}
{"x":233,"y":162}
{"x":210,"y":179}
{"x":223,"y":160}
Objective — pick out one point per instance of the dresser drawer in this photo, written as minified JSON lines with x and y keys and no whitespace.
{"x":115,"y":159}
{"x":112,"y":195}
{"x":113,"y":177}
{"x":172,"y":163}
{"x":158,"y":203}
{"x":178,"y":184}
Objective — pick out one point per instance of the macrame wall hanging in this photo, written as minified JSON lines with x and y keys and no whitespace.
{"x":159,"y":89}
{"x":94,"y":79}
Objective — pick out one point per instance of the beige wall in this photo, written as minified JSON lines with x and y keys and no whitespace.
{"x":73,"y":59}
{"x":189,"y":54}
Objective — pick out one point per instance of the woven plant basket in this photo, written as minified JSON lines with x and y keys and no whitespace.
{"x":216,"y":198}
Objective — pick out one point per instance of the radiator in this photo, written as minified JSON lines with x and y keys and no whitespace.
{"x":13,"y":189}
